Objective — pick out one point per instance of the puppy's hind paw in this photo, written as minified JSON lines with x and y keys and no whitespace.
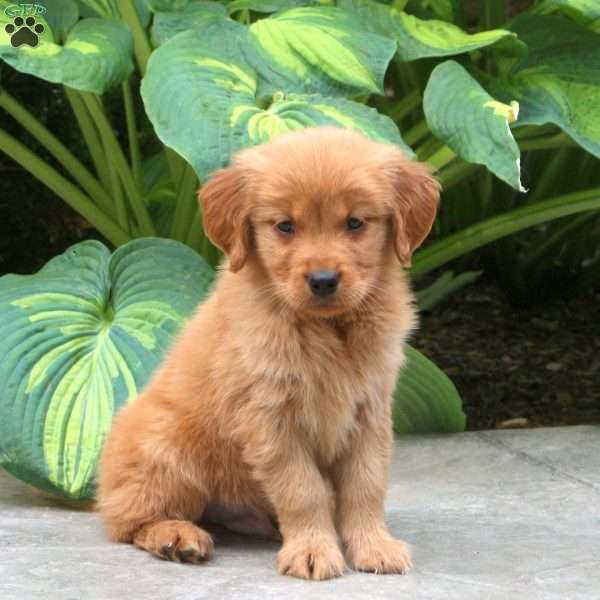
{"x":386,"y":555}
{"x":311,"y":559}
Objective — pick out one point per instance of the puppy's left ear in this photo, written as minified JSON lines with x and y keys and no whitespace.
{"x":225,"y":214}
{"x":416,"y":195}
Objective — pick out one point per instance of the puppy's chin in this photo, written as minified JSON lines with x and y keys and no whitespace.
{"x":324,"y":308}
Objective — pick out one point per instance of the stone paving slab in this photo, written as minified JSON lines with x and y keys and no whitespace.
{"x":498,"y":515}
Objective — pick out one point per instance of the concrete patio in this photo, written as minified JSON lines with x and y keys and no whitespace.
{"x":492,"y":515}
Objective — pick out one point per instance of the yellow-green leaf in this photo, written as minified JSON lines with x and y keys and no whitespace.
{"x":95,"y":56}
{"x":320,"y":50}
{"x":78,"y":340}
{"x":201,"y":96}
{"x":558,"y":81}
{"x":419,"y":38}
{"x":472,"y":123}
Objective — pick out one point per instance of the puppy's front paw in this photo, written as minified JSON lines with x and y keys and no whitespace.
{"x":379,"y":555}
{"x":179,"y":541}
{"x":311,"y":558}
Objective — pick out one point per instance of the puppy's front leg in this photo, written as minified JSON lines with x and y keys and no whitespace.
{"x":360,"y":479}
{"x":302,"y":500}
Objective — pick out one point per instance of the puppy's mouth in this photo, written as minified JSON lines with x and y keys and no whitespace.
{"x":325,"y":307}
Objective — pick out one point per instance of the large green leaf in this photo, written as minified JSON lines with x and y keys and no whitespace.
{"x":559,"y":80}
{"x":201,"y":97}
{"x":418,"y":38}
{"x":168,"y":24}
{"x":425,"y":400}
{"x":320,"y":50}
{"x":584,"y":12}
{"x":77,"y":341}
{"x":463,"y":115}
{"x":95,"y":56}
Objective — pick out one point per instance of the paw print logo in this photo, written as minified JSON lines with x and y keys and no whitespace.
{"x":24,"y":31}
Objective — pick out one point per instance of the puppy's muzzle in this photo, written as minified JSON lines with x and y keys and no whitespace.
{"x":323,"y":283}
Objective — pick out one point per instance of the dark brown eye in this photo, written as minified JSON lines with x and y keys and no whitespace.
{"x":353,"y":223}
{"x":286,"y":227}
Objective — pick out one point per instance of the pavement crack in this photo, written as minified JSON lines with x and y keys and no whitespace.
{"x":500,"y":443}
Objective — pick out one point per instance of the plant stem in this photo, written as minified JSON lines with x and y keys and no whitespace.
{"x":58,"y":150}
{"x":456,"y":172}
{"x":141,"y":45}
{"x":195,"y":235}
{"x":90,"y":135}
{"x":441,"y":157}
{"x":549,"y":177}
{"x":134,"y":145}
{"x":416,"y":133}
{"x":494,"y":14}
{"x":475,"y":236}
{"x":117,"y":192}
{"x":61,"y":186}
{"x":428,"y":147}
{"x":405,"y":106}
{"x":185,"y":203}
{"x":116,"y":153}
{"x":176,"y":166}
{"x":559,"y":140}
{"x":530,"y":131}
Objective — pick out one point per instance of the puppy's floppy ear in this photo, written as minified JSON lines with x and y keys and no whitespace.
{"x":415,"y":199}
{"x":224,"y":213}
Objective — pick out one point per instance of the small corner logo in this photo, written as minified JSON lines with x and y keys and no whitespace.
{"x":24,"y":29}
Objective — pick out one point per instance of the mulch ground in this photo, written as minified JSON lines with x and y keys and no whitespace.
{"x":516,"y":366}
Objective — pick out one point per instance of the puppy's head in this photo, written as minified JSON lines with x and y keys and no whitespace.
{"x":323,"y":212}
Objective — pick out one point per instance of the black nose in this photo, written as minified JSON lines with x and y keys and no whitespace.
{"x":323,"y":283}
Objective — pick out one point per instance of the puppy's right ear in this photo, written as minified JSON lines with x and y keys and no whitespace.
{"x":225,"y":214}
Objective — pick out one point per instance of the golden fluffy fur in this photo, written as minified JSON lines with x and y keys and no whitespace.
{"x":272,"y":409}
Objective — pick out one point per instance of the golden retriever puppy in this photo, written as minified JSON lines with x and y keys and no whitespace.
{"x":272,"y":409}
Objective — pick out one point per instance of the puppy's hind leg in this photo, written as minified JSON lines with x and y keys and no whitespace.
{"x":149,"y":498}
{"x":177,"y":540}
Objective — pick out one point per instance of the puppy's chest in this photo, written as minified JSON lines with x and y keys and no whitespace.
{"x":329,"y":376}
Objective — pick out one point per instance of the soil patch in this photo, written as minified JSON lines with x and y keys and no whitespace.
{"x":538,"y":365}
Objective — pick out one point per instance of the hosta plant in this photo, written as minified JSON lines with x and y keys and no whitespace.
{"x":79,"y":339}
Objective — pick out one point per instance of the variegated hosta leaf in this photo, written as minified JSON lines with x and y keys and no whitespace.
{"x":320,"y":50}
{"x":95,"y":56}
{"x":584,"y":12}
{"x":168,"y":24}
{"x":201,"y":97}
{"x":417,"y":38}
{"x":425,"y":400}
{"x":78,"y":340}
{"x":295,"y":111}
{"x":559,"y":79}
{"x":464,"y":116}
